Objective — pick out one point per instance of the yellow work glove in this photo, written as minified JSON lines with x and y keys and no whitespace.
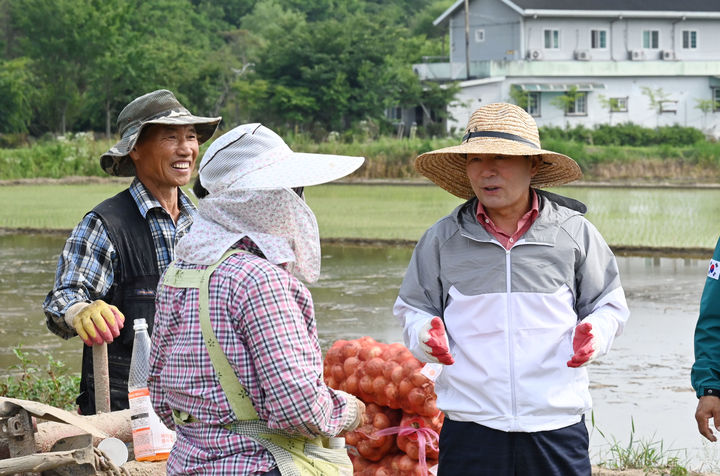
{"x":98,"y":322}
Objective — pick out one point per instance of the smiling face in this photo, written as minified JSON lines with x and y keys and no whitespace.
{"x":164,"y":156}
{"x":502,"y":183}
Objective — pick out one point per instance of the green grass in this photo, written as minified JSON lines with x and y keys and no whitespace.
{"x":388,"y":157}
{"x":648,"y":455}
{"x":679,"y":218}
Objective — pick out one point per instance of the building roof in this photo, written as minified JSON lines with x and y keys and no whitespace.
{"x":621,"y":5}
{"x":606,"y":8}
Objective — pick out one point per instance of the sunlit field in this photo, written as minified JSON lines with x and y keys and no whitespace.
{"x":653,"y":217}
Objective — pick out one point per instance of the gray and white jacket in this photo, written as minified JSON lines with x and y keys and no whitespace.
{"x":510,"y":315}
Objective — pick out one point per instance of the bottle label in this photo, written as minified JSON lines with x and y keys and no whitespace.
{"x":151,"y":437}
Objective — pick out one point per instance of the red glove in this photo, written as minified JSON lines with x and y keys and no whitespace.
{"x":583,"y":346}
{"x":434,"y":342}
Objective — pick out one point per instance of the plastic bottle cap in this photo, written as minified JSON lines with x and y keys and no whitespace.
{"x":115,"y":449}
{"x":139,"y":324}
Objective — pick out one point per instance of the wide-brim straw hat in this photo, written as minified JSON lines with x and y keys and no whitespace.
{"x":251,"y":156}
{"x":496,"y":129}
{"x":157,"y":107}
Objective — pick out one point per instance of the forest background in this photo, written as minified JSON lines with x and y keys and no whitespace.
{"x":301,"y":65}
{"x":320,"y":72}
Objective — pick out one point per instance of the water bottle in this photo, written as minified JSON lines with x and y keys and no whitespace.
{"x":152,"y":440}
{"x":338,"y":443}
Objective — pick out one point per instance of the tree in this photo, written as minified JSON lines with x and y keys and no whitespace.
{"x":611,"y":104}
{"x":706,"y":106}
{"x":333,"y":73}
{"x":567,"y":101}
{"x":56,"y":39}
{"x":519,"y":97}
{"x":17,"y":90}
{"x":656,"y":98}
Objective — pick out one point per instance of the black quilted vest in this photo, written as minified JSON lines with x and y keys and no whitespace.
{"x":133,"y":292}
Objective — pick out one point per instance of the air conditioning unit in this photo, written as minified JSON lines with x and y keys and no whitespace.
{"x":637,"y":55}
{"x":534,"y":54}
{"x":582,"y":55}
{"x":667,"y":55}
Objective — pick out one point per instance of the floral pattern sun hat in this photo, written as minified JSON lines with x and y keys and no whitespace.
{"x":248,"y":172}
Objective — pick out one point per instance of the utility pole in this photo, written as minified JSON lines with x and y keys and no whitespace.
{"x":467,"y":39}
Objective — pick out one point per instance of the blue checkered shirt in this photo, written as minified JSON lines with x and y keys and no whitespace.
{"x":88,"y":262}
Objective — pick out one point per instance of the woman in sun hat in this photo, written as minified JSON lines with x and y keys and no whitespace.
{"x":236,"y":365}
{"x":514,"y":292}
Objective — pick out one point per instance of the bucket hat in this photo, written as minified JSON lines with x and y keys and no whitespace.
{"x":157,"y":107}
{"x":496,"y":129}
{"x":251,"y":156}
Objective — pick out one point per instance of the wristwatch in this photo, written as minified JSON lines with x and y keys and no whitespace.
{"x":714,"y":392}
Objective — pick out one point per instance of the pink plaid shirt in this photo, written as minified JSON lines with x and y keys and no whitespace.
{"x":523,"y":225}
{"x":264,"y":321}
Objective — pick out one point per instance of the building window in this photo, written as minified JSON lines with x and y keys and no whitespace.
{"x":533,"y":104}
{"x":552,"y":39}
{"x":668,"y":105}
{"x":651,"y":39}
{"x":598,"y":39}
{"x":689,"y":39}
{"x":394,"y":113}
{"x":716,"y":99}
{"x":578,"y":107}
{"x":479,"y":36}
{"x":619,"y":104}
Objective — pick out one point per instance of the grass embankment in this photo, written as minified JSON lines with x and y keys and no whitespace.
{"x":390,"y":158}
{"x":627,"y":217}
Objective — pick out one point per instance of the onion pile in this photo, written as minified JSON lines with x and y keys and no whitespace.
{"x":400,"y":406}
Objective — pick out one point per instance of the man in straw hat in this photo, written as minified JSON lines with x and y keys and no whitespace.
{"x":236,"y":366}
{"x":113,"y":258}
{"x":514,"y":291}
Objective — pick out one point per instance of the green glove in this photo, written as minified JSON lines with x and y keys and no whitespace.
{"x":98,"y":322}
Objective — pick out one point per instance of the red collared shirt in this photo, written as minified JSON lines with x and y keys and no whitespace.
{"x":523,"y":224}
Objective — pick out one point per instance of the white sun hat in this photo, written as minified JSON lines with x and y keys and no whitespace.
{"x":251,"y":156}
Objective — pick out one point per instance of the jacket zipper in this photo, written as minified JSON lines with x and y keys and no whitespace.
{"x":511,"y":348}
{"x":508,"y":289}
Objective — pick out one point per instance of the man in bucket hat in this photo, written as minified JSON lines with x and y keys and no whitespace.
{"x":110,"y":265}
{"x":514,"y":292}
{"x":235,"y":365}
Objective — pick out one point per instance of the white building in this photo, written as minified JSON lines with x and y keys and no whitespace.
{"x":650,"y":62}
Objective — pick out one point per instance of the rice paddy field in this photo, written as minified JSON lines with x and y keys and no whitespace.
{"x":678,"y":218}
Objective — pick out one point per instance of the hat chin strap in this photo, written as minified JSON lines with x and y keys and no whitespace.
{"x":499,"y":135}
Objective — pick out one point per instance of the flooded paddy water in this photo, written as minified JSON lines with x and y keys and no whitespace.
{"x":644,"y":381}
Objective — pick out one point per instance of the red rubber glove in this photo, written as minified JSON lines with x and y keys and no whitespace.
{"x":583,"y":346}
{"x":434,"y":342}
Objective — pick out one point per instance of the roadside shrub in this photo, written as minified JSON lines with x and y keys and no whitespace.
{"x":678,"y":135}
{"x":627,"y":134}
{"x":54,"y":158}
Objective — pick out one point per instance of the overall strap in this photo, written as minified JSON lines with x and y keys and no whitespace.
{"x":200,"y":278}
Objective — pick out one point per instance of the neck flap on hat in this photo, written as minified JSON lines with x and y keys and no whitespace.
{"x":277,"y":220}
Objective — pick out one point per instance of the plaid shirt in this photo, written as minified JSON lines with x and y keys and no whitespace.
{"x":88,"y":262}
{"x":264,"y":321}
